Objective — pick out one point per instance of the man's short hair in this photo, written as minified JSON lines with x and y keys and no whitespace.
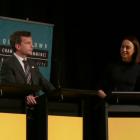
{"x":15,"y":38}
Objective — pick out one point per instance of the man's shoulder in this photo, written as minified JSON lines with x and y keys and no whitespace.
{"x":138,"y":66}
{"x":32,"y":63}
{"x":9,"y":59}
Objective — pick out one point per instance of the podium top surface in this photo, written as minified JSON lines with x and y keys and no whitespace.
{"x":126,"y":94}
{"x":66,"y":93}
{"x":78,"y":93}
{"x":12,"y":90}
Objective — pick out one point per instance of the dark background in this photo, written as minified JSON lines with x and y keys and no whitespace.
{"x":86,"y":37}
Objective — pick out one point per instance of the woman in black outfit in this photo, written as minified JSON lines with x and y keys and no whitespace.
{"x":124,"y":75}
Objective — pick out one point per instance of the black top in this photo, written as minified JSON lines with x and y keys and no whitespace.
{"x":121,"y":76}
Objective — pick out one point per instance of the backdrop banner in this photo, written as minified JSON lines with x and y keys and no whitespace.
{"x":42,"y":34}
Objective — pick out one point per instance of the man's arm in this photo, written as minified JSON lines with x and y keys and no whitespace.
{"x":46,"y":85}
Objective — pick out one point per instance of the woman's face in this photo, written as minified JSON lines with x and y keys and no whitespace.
{"x":127,"y":50}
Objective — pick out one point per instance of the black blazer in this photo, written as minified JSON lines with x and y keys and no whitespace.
{"x":12,"y":73}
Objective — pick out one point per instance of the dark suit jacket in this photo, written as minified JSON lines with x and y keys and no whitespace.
{"x":12,"y":73}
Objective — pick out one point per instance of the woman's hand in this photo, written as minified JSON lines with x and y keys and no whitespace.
{"x":101,"y":94}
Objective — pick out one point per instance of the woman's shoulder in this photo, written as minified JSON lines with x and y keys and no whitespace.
{"x":138,"y":66}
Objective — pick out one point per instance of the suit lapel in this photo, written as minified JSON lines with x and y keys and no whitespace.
{"x":18,"y":66}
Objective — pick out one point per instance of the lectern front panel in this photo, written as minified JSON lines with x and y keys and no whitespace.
{"x":124,"y":128}
{"x":65,"y":128}
{"x":12,"y":126}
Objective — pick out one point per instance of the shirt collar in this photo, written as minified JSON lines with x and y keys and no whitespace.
{"x":19,"y":57}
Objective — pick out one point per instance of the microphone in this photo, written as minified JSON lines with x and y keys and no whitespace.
{"x":1,"y":63}
{"x":58,"y":75}
{"x":60,"y":91}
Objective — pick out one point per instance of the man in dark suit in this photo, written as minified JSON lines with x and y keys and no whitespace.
{"x":14,"y":71}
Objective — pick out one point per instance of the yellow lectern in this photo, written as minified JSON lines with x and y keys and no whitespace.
{"x":12,"y":116}
{"x":12,"y":126}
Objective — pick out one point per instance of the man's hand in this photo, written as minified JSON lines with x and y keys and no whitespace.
{"x":31,"y":100}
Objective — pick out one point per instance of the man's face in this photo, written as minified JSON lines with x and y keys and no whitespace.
{"x":25,"y":48}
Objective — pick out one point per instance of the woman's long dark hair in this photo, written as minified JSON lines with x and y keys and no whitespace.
{"x":136,"y":55}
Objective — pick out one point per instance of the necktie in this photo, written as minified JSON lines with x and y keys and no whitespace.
{"x":29,"y":109}
{"x":27,"y":72}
